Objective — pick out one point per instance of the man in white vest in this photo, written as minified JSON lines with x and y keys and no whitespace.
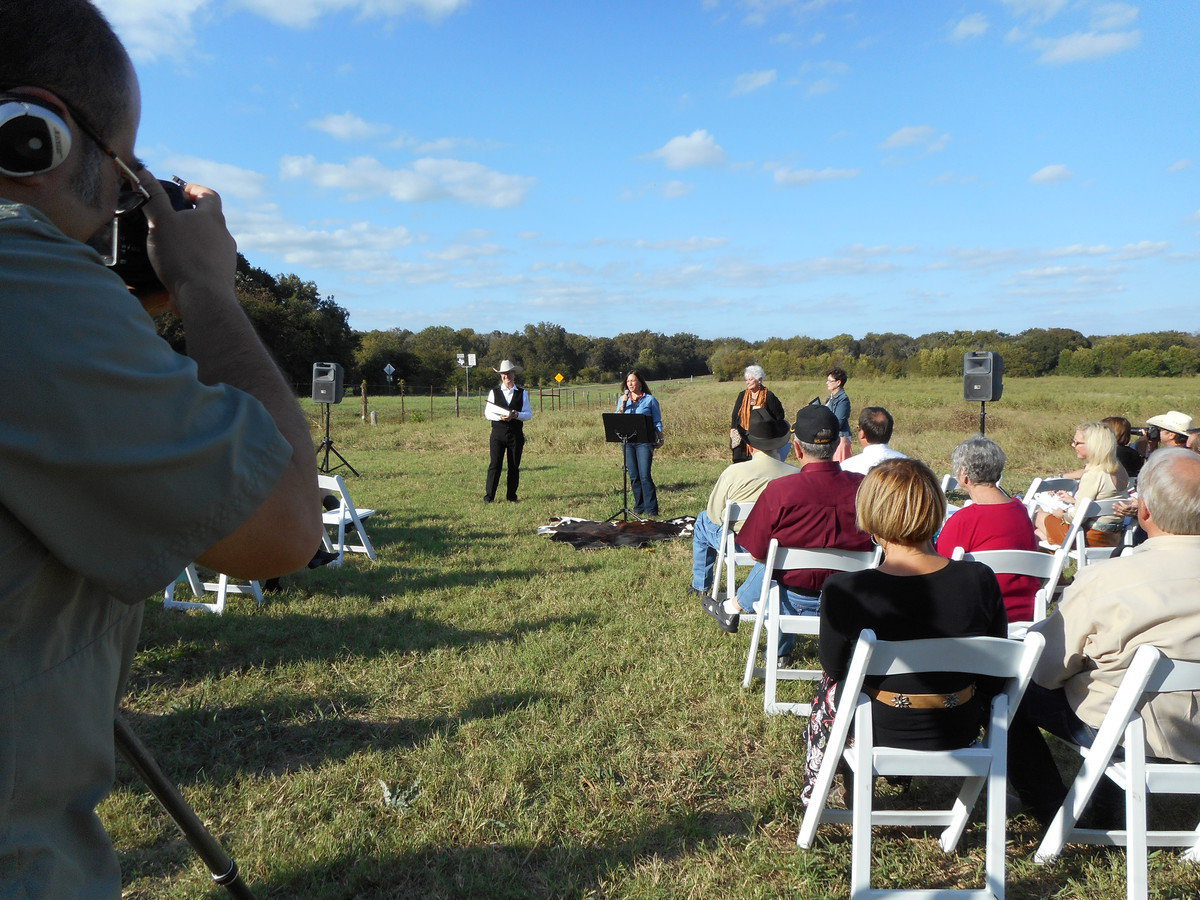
{"x":507,"y":409}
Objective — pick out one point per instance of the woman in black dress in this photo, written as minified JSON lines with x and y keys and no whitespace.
{"x":913,"y":594}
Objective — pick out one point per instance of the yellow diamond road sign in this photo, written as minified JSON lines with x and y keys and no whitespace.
{"x":559,"y":377}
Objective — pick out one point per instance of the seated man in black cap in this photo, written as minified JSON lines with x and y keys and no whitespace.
{"x":813,"y":508}
{"x":740,"y":483}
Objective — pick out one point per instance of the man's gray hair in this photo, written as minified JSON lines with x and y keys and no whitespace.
{"x":1169,"y":485}
{"x":758,"y":373}
{"x":981,"y":458}
{"x":820,"y":451}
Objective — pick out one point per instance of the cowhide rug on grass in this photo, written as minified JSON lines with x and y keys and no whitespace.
{"x":583,"y":534}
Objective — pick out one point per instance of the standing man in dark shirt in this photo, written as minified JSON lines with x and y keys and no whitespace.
{"x":507,"y":409}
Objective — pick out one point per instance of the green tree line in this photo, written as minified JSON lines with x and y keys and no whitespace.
{"x":301,"y":327}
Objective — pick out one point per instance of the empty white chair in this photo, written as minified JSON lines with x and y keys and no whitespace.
{"x":728,"y":556}
{"x":222,"y":587}
{"x":979,"y":764}
{"x":346,"y":516}
{"x":1047,"y":567}
{"x":790,"y":559}
{"x":1149,"y":672}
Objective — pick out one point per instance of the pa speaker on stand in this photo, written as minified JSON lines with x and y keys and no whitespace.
{"x":328,"y":389}
{"x":983,"y":380}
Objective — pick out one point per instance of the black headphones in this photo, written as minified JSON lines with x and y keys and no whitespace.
{"x":34,"y":138}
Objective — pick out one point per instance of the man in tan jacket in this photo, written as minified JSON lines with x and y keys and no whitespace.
{"x":1114,"y":607}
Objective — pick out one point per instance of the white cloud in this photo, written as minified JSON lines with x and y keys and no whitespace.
{"x":1085,"y":45}
{"x":907,"y":136}
{"x":1051,"y":175}
{"x":688,"y":245}
{"x":142,"y":25}
{"x":348,"y":127}
{"x":1142,"y":250}
{"x":442,"y":144}
{"x":1078,"y":250}
{"x":821,"y":86}
{"x":955,"y":178}
{"x":154,"y":29}
{"x":672,"y":190}
{"x":1036,"y":10}
{"x":428,"y":179}
{"x":753,"y":81}
{"x":461,"y":252}
{"x":922,"y":136}
{"x":1113,"y":16}
{"x":788,"y":177}
{"x":1179,"y":165}
{"x":688,"y":151}
{"x":972,"y":26}
{"x":361,"y":248}
{"x":225,"y":179}
{"x":304,"y":13}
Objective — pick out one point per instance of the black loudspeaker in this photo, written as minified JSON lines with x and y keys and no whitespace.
{"x":327,"y":383}
{"x":33,"y":136}
{"x":983,"y":375}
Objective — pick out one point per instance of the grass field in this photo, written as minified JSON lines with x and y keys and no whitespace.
{"x":483,"y":713}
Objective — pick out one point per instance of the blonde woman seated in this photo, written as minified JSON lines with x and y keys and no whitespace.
{"x":915,"y":593}
{"x":1102,"y":478}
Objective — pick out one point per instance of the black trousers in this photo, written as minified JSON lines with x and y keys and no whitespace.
{"x":506,"y":442}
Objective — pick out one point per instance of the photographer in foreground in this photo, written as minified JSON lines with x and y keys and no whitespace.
{"x":120,"y":460}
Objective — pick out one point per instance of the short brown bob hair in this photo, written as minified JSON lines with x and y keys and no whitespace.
{"x":901,"y":501}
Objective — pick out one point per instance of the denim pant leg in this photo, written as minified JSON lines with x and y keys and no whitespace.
{"x":635,"y":478}
{"x":706,"y":536}
{"x":791,"y":603}
{"x":782,"y":453}
{"x":645,"y":461}
{"x":1032,"y":771}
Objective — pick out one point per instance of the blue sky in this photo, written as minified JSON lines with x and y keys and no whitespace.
{"x":725,"y":167}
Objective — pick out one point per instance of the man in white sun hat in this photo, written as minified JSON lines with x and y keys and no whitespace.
{"x":507,"y":409}
{"x":1173,"y":427}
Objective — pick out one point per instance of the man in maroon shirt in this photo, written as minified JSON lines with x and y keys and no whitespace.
{"x":814,"y":508}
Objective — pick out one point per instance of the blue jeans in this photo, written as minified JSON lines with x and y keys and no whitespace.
{"x":706,"y":535}
{"x":782,"y":453}
{"x":638,"y":460}
{"x":791,"y":603}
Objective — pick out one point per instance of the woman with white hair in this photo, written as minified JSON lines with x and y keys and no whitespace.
{"x":755,"y":396}
{"x":1102,"y":479}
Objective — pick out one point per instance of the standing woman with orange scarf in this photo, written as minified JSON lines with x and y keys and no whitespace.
{"x":755,"y":396}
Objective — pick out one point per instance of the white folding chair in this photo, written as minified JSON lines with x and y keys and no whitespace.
{"x":222,"y":587}
{"x":728,"y":556}
{"x":1047,"y":567}
{"x":1085,"y":508}
{"x":1149,"y":672}
{"x":1085,"y":555}
{"x":950,"y":483}
{"x":1070,"y":485}
{"x":790,"y":559}
{"x":980,"y":764}
{"x":347,"y":515}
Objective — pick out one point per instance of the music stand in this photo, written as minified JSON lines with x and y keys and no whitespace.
{"x":627,"y":428}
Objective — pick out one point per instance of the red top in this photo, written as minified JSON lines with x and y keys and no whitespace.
{"x":814,"y":508}
{"x":996,"y":526}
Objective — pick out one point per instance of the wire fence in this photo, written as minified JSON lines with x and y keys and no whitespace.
{"x":415,"y":403}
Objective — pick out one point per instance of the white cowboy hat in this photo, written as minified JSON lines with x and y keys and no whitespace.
{"x":507,"y":365}
{"x":1180,"y":423}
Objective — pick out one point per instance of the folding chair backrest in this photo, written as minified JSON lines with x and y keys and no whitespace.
{"x":1070,"y":485}
{"x":347,"y":515}
{"x":1045,"y":566}
{"x":792,"y":559}
{"x":727,"y":556}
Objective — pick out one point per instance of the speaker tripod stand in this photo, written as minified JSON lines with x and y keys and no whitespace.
{"x":327,"y":447}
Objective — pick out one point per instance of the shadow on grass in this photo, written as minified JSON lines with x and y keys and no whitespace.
{"x":505,"y":870}
{"x":216,"y":745}
{"x":186,"y":648}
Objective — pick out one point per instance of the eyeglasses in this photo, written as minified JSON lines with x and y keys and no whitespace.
{"x":133,"y":194}
{"x":1077,"y":443}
